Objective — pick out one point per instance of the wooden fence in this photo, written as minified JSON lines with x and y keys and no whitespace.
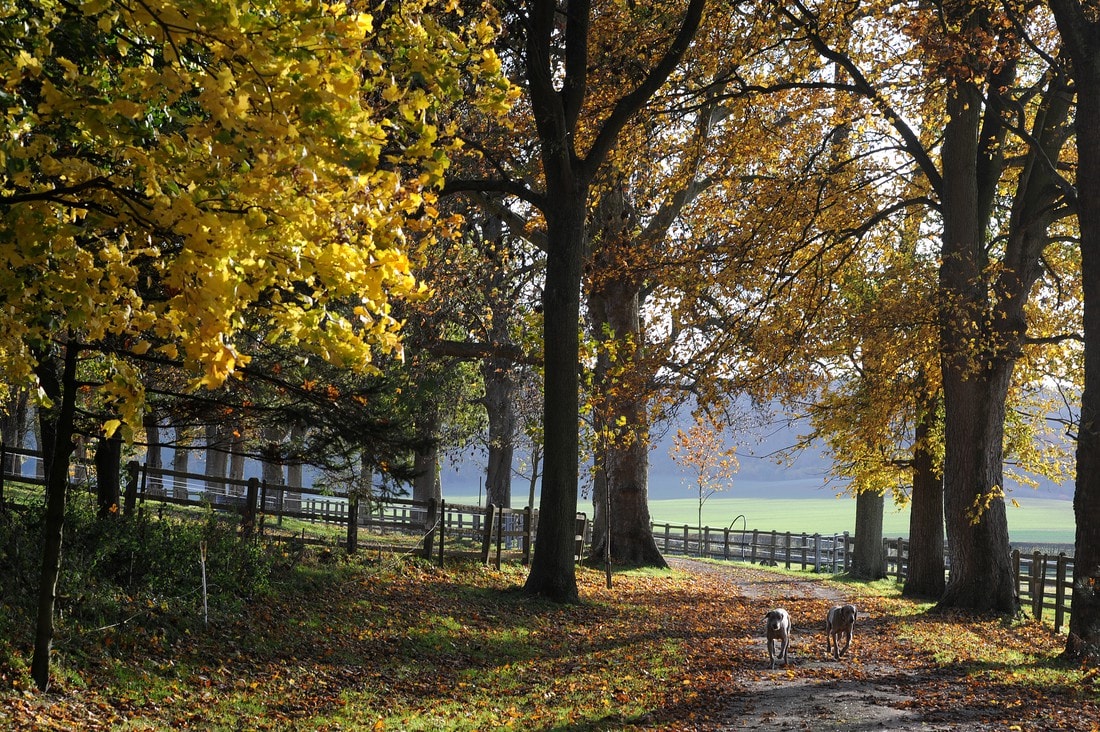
{"x":820,"y":552}
{"x":432,"y":528}
{"x":1043,"y":582}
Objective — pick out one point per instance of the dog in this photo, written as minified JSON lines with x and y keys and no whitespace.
{"x":839,"y":623}
{"x":778,"y":628}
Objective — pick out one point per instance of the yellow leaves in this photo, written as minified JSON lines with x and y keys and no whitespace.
{"x":982,"y":503}
{"x":24,"y":61}
{"x":260,"y":170}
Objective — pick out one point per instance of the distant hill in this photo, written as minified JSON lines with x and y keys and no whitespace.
{"x":760,"y":474}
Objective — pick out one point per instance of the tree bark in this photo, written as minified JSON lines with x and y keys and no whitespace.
{"x":181,"y":455}
{"x":108,"y":474}
{"x":974,"y":396}
{"x":621,"y":527}
{"x":557,"y":95}
{"x":217,"y":459}
{"x":983,"y":323}
{"x":236,"y":461}
{"x":57,"y":424}
{"x":869,"y":556}
{"x":1080,"y":32}
{"x":926,"y":576}
{"x":426,"y":486}
{"x":272,"y":468}
{"x":501,"y":409}
{"x":295,"y":473}
{"x":154,"y":454}
{"x":13,"y":427}
{"x":553,"y":573}
{"x":498,"y":373}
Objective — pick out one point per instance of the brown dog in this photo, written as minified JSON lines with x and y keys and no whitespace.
{"x":839,"y":623}
{"x":778,"y":628}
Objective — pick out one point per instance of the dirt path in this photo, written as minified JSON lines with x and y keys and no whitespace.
{"x":815,"y":692}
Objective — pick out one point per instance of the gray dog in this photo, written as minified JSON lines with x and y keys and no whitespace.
{"x":778,"y":628}
{"x":839,"y":623}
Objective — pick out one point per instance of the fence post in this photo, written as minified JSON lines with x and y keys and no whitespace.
{"x":900,"y":575}
{"x":804,"y":540}
{"x":1031,"y":571}
{"x":1060,"y":593}
{"x":752,"y":547}
{"x":787,"y":550}
{"x":500,"y":533}
{"x":527,"y":528}
{"x":1016,"y":569}
{"x":704,"y":542}
{"x":1039,"y":581}
{"x":353,"y":520}
{"x":817,"y":552}
{"x":430,"y":522}
{"x":130,"y":494}
{"x":442,"y":529}
{"x":726,"y":543}
{"x":487,"y":534}
{"x":771,"y":550}
{"x":248,"y":517}
{"x":847,"y":551}
{"x":668,"y":536}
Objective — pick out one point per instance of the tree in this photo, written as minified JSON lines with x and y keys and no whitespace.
{"x":572,"y":147}
{"x":179,"y":171}
{"x":1079,"y":27}
{"x":994,"y":100}
{"x":701,"y":451}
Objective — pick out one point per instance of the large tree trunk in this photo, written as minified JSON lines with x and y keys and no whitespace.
{"x":13,"y":428}
{"x":217,"y":459}
{"x":926,"y":563}
{"x":621,"y":527}
{"x":108,"y":474}
{"x":974,"y":396}
{"x":154,"y":454}
{"x":181,"y":455}
{"x":993,"y":316}
{"x":556,"y":104}
{"x":869,"y":556}
{"x":426,"y":485}
{"x":57,"y":427}
{"x":553,"y":573}
{"x":236,"y":461}
{"x":295,"y":473}
{"x":1080,"y":29}
{"x":271,"y":469}
{"x":500,"y":405}
{"x":272,"y":466}
{"x":498,"y":374}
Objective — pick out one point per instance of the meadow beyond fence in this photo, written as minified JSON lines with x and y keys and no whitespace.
{"x":435,"y":529}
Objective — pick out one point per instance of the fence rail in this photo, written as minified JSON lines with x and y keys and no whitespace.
{"x":433,"y":528}
{"x":1043,"y":582}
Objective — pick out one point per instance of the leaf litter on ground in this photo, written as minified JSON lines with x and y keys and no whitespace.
{"x":383,"y":645}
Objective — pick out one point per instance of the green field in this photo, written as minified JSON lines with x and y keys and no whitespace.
{"x":1036,"y":521}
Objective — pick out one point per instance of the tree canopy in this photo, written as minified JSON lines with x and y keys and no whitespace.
{"x":181,"y":173}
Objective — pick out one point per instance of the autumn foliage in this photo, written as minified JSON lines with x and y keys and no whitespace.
{"x":184,"y":177}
